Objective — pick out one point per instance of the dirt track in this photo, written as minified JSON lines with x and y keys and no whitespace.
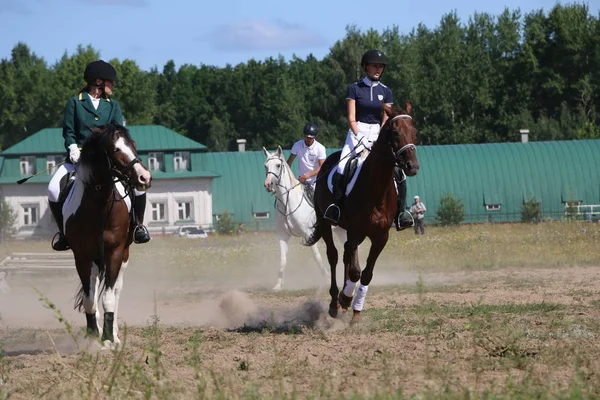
{"x":233,"y":336}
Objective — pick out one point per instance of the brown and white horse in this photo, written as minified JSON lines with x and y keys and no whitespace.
{"x":97,"y":223}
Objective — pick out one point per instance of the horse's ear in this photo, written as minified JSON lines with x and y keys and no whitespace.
{"x":96,"y":130}
{"x":408,"y":107}
{"x":266,"y":152}
{"x":387,"y":108}
{"x":279,"y":151}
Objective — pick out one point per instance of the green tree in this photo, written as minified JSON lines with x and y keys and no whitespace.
{"x":8,"y":218}
{"x":450,"y":211}
{"x":531,"y":211}
{"x":225,"y":225}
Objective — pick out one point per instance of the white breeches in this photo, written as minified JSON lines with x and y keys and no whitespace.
{"x":54,"y":185}
{"x":367,"y":132}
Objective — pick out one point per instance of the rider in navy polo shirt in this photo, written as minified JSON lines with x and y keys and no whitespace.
{"x":366,"y":100}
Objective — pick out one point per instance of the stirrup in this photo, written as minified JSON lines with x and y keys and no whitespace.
{"x":332,"y":214}
{"x":60,"y":244}
{"x":402,"y":224}
{"x":141,"y":235}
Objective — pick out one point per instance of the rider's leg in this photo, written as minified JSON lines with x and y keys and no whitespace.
{"x":56,"y":207}
{"x":403,"y":218}
{"x":140,"y":234}
{"x":333,"y":211}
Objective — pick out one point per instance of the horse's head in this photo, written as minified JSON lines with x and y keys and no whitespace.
{"x":111,"y":149}
{"x":274,"y":168}
{"x":400,"y":134}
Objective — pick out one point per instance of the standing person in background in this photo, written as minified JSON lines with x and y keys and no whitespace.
{"x":366,"y":100}
{"x":417,"y":210}
{"x":310,"y":153}
{"x":91,"y":107}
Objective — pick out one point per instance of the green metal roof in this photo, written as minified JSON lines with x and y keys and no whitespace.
{"x":240,"y":189}
{"x":147,"y":138}
{"x":505,"y":174}
{"x":508,"y":174}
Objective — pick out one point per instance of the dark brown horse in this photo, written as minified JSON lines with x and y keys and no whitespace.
{"x":369,"y":209}
{"x":98,"y":224}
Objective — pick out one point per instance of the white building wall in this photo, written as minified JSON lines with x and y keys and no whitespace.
{"x":197,"y":191}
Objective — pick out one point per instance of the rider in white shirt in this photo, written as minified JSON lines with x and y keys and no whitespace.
{"x":310,"y":153}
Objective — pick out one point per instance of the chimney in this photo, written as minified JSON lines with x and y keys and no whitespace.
{"x":524,"y":135}
{"x":241,"y":145}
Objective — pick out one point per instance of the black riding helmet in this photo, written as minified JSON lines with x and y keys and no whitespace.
{"x":99,"y":70}
{"x":311,"y":130}
{"x":373,"y":57}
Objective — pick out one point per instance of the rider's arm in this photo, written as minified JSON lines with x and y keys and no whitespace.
{"x":291,"y":159}
{"x":69,"y":123}
{"x":352,"y":115}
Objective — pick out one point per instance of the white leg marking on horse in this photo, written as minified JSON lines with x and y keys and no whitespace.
{"x":283,"y":249}
{"x":359,"y":300}
{"x":118,"y":288}
{"x":350,"y":287}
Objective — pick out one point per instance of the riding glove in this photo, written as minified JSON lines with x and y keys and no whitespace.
{"x":74,"y":153}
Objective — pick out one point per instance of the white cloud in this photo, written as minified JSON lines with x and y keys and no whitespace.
{"x":262,"y":35}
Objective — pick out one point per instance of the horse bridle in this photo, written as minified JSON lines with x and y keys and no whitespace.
{"x":121,"y":174}
{"x":398,"y":154}
{"x":287,"y":192}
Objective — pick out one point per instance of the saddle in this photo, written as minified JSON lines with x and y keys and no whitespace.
{"x":66,"y":183}
{"x":351,"y":171}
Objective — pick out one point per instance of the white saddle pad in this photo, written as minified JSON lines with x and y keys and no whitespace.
{"x":350,"y":186}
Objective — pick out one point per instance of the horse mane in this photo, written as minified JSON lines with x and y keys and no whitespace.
{"x":293,"y":180}
{"x":93,"y":149}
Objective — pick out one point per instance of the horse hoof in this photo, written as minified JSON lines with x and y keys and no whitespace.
{"x":277,"y":288}
{"x":355,"y":318}
{"x":108,"y":345}
{"x":333,"y":311}
{"x":344,"y":300}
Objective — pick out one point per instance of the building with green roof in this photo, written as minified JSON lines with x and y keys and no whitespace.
{"x":491,"y":180}
{"x":181,"y":192}
{"x":195,"y":187}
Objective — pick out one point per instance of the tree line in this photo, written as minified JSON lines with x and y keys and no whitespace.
{"x":478,"y":81}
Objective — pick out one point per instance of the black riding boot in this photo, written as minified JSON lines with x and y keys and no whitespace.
{"x":140,"y":233}
{"x":61,"y":243}
{"x":403,"y":218}
{"x":333,"y":212}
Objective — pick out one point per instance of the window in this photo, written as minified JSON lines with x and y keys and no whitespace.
{"x":27,"y":165}
{"x":184,"y":210}
{"x":156,"y":161}
{"x":492,"y":207}
{"x":30,"y":214}
{"x":52,"y":162}
{"x":261,"y":215}
{"x":158,"y":212}
{"x":181,"y":161}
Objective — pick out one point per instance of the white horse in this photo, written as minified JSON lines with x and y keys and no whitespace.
{"x":294,"y":209}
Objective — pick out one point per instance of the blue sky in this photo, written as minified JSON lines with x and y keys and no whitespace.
{"x":151,"y":32}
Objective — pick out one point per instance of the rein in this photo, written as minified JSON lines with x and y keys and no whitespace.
{"x":286,"y":191}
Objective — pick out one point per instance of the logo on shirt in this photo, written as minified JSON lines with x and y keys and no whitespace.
{"x":380,"y":97}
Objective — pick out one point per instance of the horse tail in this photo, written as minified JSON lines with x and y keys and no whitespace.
{"x":316,"y":234}
{"x":81,"y":292}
